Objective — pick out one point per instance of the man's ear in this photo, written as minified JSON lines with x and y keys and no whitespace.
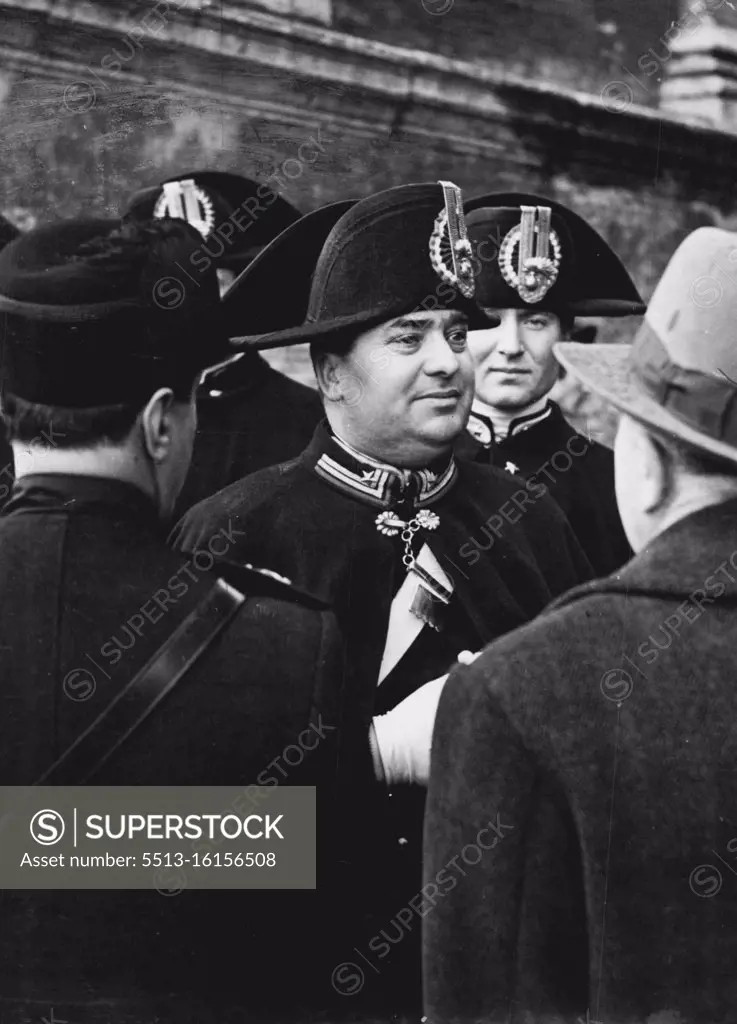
{"x":658,"y":468}
{"x":327,"y":366}
{"x":157,"y":423}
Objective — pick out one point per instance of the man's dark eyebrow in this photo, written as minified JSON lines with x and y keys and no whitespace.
{"x":423,"y":322}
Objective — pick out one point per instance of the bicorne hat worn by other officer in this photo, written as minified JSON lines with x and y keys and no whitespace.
{"x":395,"y":252}
{"x":235,"y":216}
{"x":96,"y":312}
{"x":530,"y":252}
{"x":679,"y":376}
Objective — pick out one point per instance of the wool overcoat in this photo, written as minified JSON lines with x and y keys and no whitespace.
{"x":89,"y":590}
{"x":581,"y":826}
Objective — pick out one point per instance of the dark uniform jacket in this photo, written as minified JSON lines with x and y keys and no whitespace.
{"x":314,"y":519}
{"x":588,"y":763}
{"x":249,"y":416}
{"x":88,"y":591}
{"x":578,"y":473}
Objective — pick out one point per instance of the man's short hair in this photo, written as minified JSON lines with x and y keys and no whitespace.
{"x":52,"y":427}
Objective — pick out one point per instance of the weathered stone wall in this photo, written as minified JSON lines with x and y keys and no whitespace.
{"x":99,"y":99}
{"x":580,"y":44}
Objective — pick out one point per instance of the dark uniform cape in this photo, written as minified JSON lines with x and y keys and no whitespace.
{"x":249,"y":416}
{"x":314,"y":519}
{"x":578,"y":473}
{"x":599,"y":742}
{"x":80,"y":558}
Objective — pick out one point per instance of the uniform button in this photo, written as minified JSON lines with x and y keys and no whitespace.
{"x":214,"y":394}
{"x":402,"y":841}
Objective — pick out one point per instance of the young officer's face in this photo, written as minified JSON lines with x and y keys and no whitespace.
{"x":405,"y":387}
{"x":515,"y":365}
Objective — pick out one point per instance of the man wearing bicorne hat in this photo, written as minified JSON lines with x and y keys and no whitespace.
{"x":250,"y":415}
{"x":374,"y":514}
{"x":538,"y":265}
{"x":599,"y":738}
{"x":123,"y":663}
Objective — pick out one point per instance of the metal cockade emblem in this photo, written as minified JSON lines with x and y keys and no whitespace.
{"x":533,"y":274}
{"x":450,"y":248}
{"x":187,"y":201}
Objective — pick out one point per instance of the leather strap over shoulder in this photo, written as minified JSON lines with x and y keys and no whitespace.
{"x":158,"y":677}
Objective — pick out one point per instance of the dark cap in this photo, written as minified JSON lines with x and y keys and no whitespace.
{"x":531,"y":252}
{"x":235,"y":216}
{"x":388,"y":255}
{"x":95,"y":312}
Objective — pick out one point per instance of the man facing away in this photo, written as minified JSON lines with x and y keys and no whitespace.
{"x":599,"y":739}
{"x":105,"y":340}
{"x":538,"y":266}
{"x":376,"y":516}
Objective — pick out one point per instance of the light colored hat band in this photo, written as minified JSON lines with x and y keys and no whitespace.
{"x":700,"y":400}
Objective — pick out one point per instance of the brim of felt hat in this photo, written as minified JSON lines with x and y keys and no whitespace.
{"x":332,"y":330}
{"x":606,"y":370}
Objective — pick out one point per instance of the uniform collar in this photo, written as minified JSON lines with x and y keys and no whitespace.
{"x":487,"y":424}
{"x":379,"y":483}
{"x":69,"y":493}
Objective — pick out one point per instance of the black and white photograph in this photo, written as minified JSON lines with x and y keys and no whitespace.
{"x":368,"y":512}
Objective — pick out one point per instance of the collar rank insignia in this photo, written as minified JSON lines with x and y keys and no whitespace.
{"x":533,"y":274}
{"x":187,"y":201}
{"x":450,"y":248}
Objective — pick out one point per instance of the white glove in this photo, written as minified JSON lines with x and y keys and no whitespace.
{"x":401,"y":739}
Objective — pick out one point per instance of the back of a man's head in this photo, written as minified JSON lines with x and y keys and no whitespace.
{"x":661,"y":479}
{"x":96,"y":318}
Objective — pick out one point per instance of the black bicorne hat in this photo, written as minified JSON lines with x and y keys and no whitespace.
{"x":235,"y":216}
{"x":393,"y":253}
{"x":273,"y":292}
{"x":97,"y":312}
{"x":531,"y":252}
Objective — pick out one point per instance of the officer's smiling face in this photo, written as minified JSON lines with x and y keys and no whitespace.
{"x":515,"y":365}
{"x":403,"y":391}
